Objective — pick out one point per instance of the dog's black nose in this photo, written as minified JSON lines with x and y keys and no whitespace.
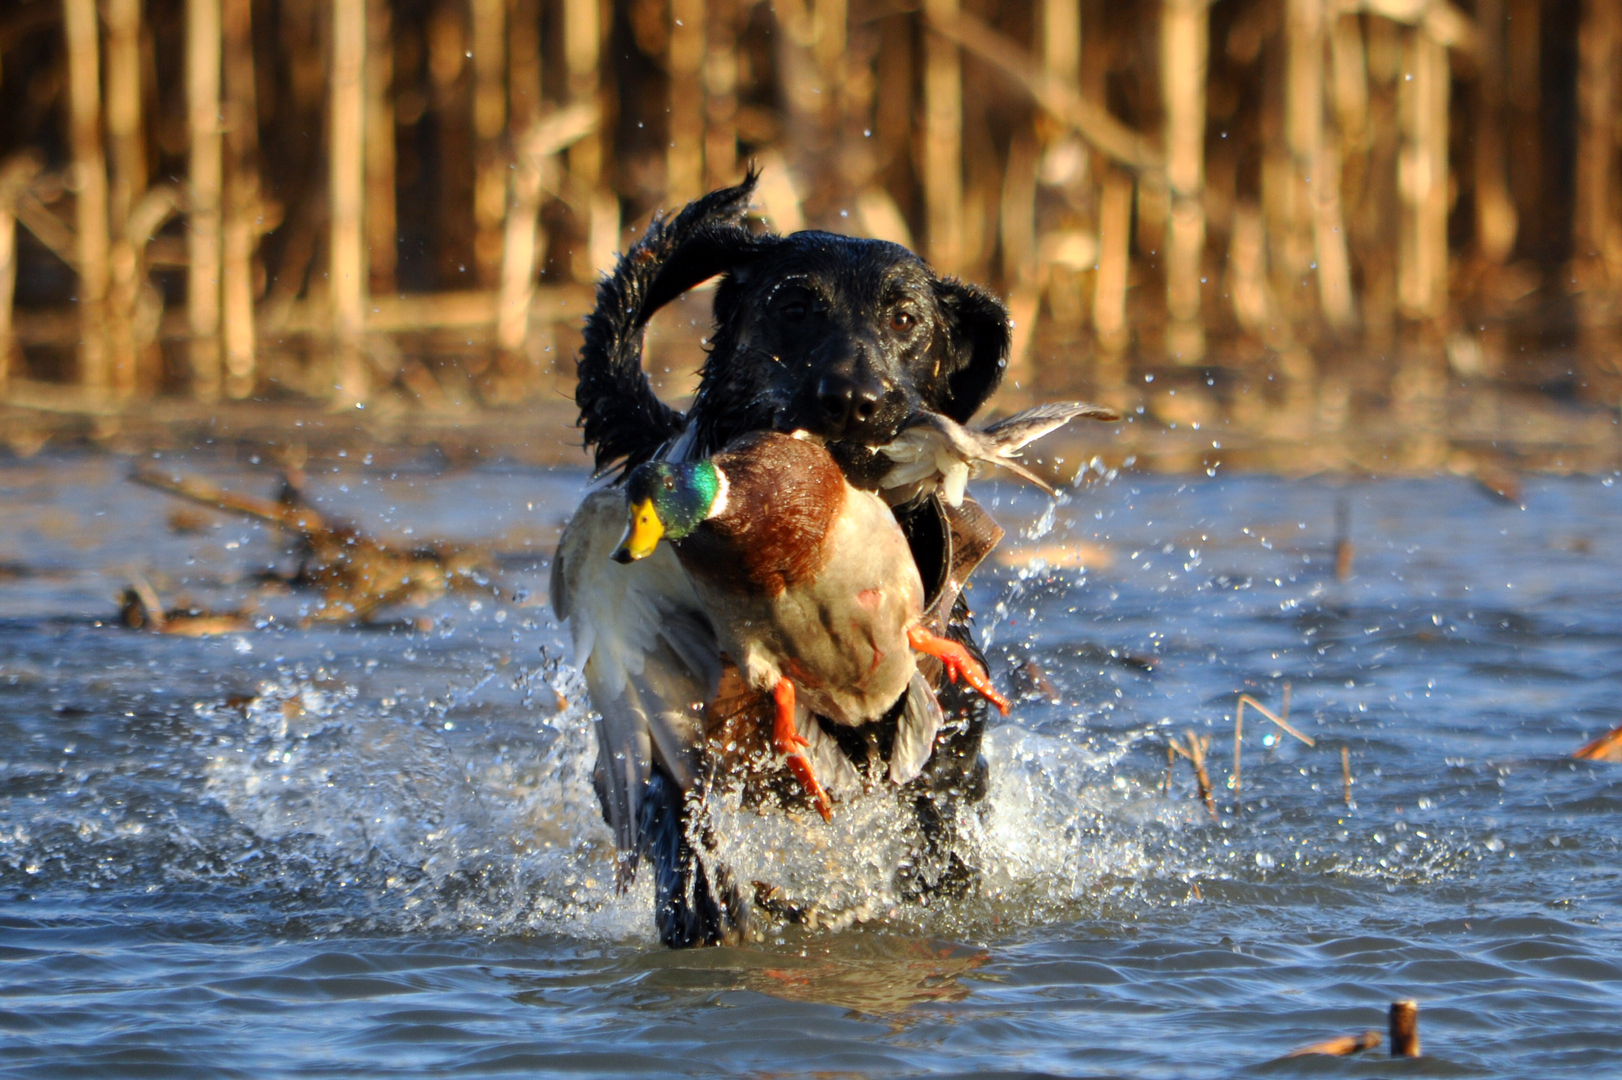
{"x":844,"y":402}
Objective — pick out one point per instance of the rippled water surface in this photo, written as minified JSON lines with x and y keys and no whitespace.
{"x":374,"y":852}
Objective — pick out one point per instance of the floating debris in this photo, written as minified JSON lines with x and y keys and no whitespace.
{"x":142,"y":610}
{"x":355,"y":574}
{"x":1607,"y":747}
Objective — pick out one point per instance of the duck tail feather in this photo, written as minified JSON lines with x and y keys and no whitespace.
{"x":623,"y":419}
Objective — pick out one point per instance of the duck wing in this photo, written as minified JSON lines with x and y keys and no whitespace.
{"x":937,"y":448}
{"x":648,"y":652}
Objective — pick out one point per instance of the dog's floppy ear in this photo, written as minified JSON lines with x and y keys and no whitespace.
{"x":976,"y":347}
{"x":623,"y":418}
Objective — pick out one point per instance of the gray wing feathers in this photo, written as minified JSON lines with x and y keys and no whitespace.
{"x":647,"y":651}
{"x":921,"y":720}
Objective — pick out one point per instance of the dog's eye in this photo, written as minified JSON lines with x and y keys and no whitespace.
{"x":796,"y":310}
{"x":902,"y":321}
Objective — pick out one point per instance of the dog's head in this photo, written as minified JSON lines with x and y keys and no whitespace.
{"x":840,"y":336}
{"x":845,"y":338}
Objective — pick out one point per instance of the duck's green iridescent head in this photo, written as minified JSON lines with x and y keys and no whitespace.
{"x":667,"y":500}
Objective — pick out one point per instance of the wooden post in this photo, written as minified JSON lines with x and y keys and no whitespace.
{"x":1422,"y":177}
{"x":240,"y":231}
{"x":205,"y":173}
{"x":346,"y":189}
{"x":943,"y":142}
{"x":489,"y":125}
{"x":721,"y":95}
{"x":1184,"y":44}
{"x":127,"y":154}
{"x":684,"y":155}
{"x":90,"y":184}
{"x":1405,"y":1028}
{"x":1495,"y":211}
{"x":382,"y":239}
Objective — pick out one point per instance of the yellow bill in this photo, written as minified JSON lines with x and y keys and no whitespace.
{"x":642,"y":533}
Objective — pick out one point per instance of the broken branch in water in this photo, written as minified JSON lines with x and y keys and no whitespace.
{"x":1344,"y":1046}
{"x":1346,"y":775}
{"x":356,"y":575}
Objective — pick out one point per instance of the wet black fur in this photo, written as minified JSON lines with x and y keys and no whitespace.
{"x":790,"y":313}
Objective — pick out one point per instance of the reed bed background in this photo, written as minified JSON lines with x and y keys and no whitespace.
{"x":1294,"y":216}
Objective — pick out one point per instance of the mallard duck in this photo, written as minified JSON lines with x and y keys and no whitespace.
{"x":809,"y":584}
{"x":934,"y":450}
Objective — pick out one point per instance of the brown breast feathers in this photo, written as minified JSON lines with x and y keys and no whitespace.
{"x":783,"y":494}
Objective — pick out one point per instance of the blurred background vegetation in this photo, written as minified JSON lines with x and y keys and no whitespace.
{"x":1296,"y":218}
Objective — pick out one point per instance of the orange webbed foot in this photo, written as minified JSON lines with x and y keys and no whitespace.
{"x":957,"y":662}
{"x":788,"y":742}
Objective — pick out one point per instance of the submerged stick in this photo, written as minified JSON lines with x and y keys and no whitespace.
{"x":1344,"y":1046}
{"x":1405,"y":1028}
{"x":1346,"y":775}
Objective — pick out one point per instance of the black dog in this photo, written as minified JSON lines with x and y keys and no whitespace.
{"x":842,"y":337}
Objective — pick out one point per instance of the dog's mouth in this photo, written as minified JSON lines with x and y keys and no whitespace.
{"x":862,"y":463}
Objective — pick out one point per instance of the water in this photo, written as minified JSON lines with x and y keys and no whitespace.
{"x":374,"y":852}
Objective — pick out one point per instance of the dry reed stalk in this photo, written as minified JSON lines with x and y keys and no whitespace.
{"x":1061,"y":41}
{"x":1114,"y":264}
{"x":1422,"y":176}
{"x":1346,"y":776}
{"x":582,"y":49}
{"x":1184,"y":40}
{"x":489,"y":125}
{"x":205,"y":180}
{"x":1018,"y":233}
{"x":89,"y":183}
{"x":16,"y":173}
{"x":684,"y":149}
{"x":1405,"y":1028}
{"x":1524,"y":48}
{"x":1597,"y":42}
{"x":1495,"y":211}
{"x":1239,"y":729}
{"x":1344,"y":1046}
{"x":1088,"y":118}
{"x":346,"y":195}
{"x":1194,"y":751}
{"x":721,"y":94}
{"x":127,"y":158}
{"x":381,"y":211}
{"x":534,"y":166}
{"x":943,"y":139}
{"x":240,"y":231}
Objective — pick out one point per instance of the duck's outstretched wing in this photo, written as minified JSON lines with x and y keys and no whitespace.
{"x":936,"y":450}
{"x":648,"y":653}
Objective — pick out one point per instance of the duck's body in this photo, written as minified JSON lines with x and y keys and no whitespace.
{"x":809,"y":584}
{"x":808,"y":578}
